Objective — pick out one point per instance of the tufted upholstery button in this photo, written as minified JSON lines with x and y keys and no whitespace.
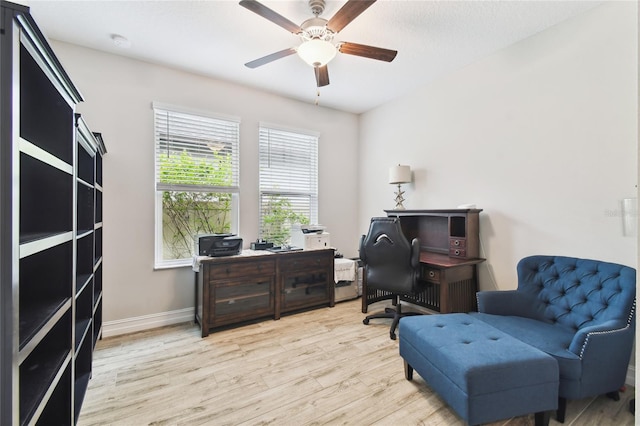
{"x":576,"y":293}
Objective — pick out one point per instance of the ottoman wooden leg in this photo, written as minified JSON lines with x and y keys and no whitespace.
{"x":473,"y":355}
{"x":542,"y":418}
{"x":562,"y":409}
{"x":408,"y":371}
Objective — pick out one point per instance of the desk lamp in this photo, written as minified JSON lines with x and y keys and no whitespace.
{"x":398,"y":175}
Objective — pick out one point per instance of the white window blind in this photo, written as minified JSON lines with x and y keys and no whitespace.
{"x":288,"y":181}
{"x":196,"y":180}
{"x":206,"y":149}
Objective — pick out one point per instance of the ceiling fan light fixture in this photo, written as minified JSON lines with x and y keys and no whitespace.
{"x":316,"y":52}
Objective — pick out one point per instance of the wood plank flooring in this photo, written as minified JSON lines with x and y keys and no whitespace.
{"x":319,"y":367}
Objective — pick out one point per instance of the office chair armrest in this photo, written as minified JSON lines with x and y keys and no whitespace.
{"x":361,"y":250}
{"x":415,"y":253}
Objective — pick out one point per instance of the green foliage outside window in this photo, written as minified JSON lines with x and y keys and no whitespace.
{"x":188,"y":213}
{"x":278,"y":216}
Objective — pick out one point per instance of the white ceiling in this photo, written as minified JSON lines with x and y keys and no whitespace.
{"x":216,"y":38}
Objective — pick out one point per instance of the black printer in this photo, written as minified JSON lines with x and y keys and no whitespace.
{"x":218,"y":245}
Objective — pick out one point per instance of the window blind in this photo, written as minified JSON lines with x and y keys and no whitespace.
{"x":288,"y":174}
{"x":195,"y":152}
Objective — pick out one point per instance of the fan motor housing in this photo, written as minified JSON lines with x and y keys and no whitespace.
{"x":316,"y":28}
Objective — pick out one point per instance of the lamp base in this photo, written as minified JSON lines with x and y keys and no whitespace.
{"x":399,"y":199}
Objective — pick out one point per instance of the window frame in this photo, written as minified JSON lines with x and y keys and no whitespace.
{"x":313,"y":178}
{"x":160,"y":188}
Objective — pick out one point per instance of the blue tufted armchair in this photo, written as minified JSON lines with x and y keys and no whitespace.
{"x":582,"y":312}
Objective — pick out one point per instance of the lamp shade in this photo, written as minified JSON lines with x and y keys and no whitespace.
{"x":400,"y":174}
{"x":316,"y":52}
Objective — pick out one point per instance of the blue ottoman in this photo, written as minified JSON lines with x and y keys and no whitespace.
{"x":484,"y":374}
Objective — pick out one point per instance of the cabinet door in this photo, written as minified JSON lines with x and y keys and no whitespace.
{"x":304,"y":288}
{"x":241,"y":299}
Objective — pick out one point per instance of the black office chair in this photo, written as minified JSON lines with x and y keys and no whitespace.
{"x":391,"y":268}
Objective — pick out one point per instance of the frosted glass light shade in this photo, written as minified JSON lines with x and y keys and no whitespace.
{"x":400,"y":174}
{"x":316,"y":52}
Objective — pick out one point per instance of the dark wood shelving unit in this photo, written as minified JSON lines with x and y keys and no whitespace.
{"x":87,"y":299}
{"x":50,"y":315}
{"x":35,"y":318}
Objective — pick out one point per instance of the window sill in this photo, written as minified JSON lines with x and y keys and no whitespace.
{"x":187,"y":263}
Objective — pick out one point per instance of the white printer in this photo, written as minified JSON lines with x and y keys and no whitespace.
{"x":310,"y":237}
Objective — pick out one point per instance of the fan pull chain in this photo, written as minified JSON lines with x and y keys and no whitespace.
{"x":317,"y":97}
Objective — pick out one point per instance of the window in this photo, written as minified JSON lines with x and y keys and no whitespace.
{"x":288,"y":181}
{"x":196,"y":175}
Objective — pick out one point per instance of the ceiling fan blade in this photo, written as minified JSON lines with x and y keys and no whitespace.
{"x":348,"y":13}
{"x":322,"y":75}
{"x":367,"y":51}
{"x":270,"y":58}
{"x":272,"y":16}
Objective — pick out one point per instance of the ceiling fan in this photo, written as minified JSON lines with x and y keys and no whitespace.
{"x":316,"y":34}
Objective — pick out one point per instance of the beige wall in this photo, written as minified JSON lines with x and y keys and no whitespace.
{"x":119,"y":92}
{"x":541,"y":135}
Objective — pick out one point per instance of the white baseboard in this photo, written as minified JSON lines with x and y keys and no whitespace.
{"x":631,"y":376}
{"x":146,"y":322}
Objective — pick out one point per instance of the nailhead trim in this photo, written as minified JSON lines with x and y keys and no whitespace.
{"x":586,"y":340}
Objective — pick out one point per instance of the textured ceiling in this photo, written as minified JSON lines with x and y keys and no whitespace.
{"x":216,"y":38}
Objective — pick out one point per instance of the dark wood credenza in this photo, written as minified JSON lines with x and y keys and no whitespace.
{"x":449,"y":254}
{"x":233,"y":289}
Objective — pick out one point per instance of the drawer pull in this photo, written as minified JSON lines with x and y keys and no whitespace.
{"x":457,"y":252}
{"x":456,"y":243}
{"x":432,"y":274}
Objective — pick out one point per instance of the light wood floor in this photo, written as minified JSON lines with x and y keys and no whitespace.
{"x":320,"y":367}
